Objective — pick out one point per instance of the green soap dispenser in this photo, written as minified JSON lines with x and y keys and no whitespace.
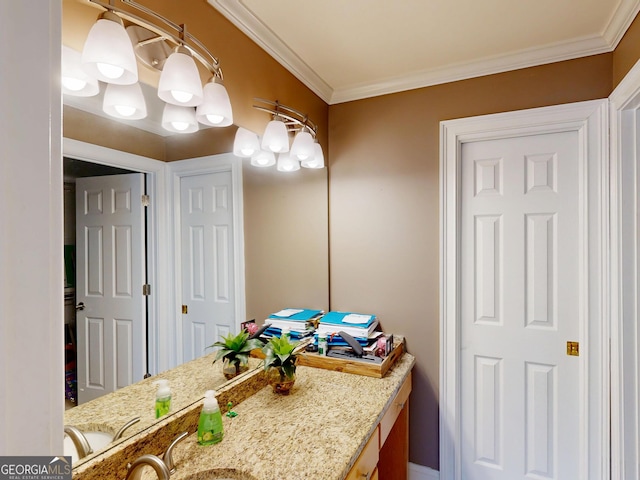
{"x":163,"y":397}
{"x":210,"y":428}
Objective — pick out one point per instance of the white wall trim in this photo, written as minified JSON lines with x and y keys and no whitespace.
{"x":625,"y":272}
{"x":31,"y":243}
{"x":200,"y":166}
{"x":418,"y":472}
{"x":159,"y":339}
{"x":589,"y":119}
{"x":238,"y":13}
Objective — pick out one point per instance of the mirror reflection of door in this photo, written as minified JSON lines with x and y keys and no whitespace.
{"x":207,"y":259}
{"x":110,"y":321}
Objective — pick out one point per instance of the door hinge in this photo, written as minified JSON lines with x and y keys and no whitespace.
{"x":185,"y":309}
{"x":145,"y":200}
{"x":573,"y":348}
{"x":146,"y":289}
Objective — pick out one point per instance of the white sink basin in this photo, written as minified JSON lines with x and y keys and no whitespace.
{"x":96,"y":439}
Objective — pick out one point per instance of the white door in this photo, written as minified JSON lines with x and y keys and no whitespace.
{"x":524,"y":246}
{"x":520,"y":391}
{"x":110,"y":277}
{"x":208,"y":284}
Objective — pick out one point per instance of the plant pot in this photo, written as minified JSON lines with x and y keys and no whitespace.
{"x":232,"y":369}
{"x":279,"y":381}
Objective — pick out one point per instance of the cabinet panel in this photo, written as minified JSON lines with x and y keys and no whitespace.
{"x":398,"y":403}
{"x":365,"y":466}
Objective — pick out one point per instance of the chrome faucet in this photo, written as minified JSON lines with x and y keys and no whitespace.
{"x":134,"y":470}
{"x":167,"y":457}
{"x":79,"y":441}
{"x":124,"y":427}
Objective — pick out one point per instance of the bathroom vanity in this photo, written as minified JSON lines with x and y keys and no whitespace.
{"x":332,"y":425}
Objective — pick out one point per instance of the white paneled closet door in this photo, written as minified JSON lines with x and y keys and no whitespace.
{"x":111,"y":335}
{"x":524,"y":245}
{"x":207,"y":260}
{"x":519,"y":308}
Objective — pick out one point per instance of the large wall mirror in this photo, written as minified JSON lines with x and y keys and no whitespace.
{"x":284,"y":217}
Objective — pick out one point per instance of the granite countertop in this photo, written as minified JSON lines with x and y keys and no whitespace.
{"x":317,"y":431}
{"x":108,"y":413}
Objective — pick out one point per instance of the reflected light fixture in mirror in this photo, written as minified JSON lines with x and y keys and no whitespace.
{"x":245,"y":143}
{"x":287,"y":163}
{"x":124,"y":101}
{"x":109,"y":55}
{"x":286,"y":121}
{"x":75,"y":80}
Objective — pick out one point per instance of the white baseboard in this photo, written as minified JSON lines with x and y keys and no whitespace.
{"x":418,"y":472}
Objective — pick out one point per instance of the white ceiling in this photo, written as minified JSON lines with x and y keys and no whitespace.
{"x":346,"y":50}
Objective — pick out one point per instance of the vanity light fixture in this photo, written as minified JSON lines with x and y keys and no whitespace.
{"x":287,"y":163}
{"x":263,"y":158}
{"x":179,"y":119}
{"x":180,"y":81}
{"x":215,"y":109}
{"x":124,"y":101}
{"x":285,"y":122}
{"x":245,"y":143}
{"x":110,"y":54}
{"x":276,"y":136}
{"x":317,"y":161}
{"x":75,"y":80}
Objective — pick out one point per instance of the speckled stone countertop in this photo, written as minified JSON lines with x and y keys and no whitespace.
{"x":316,"y":432}
{"x":108,"y":413}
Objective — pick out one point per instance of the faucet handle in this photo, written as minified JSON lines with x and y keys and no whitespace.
{"x":168,"y":455}
{"x":134,"y":471}
{"x":124,"y":427}
{"x":79,"y":441}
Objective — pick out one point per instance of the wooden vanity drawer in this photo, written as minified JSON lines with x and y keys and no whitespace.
{"x":365,"y":466}
{"x":397,"y":404}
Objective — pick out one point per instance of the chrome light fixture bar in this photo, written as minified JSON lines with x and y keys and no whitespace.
{"x":286,"y":121}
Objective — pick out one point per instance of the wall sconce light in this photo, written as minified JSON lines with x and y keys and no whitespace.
{"x":111,"y":53}
{"x":286,"y":122}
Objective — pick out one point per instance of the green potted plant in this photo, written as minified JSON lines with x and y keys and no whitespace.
{"x":234,"y":351}
{"x":280,"y":360}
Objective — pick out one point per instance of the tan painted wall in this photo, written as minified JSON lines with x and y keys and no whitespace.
{"x":627,"y":52}
{"x":384,"y":205}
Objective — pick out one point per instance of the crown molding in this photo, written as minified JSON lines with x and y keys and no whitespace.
{"x":238,"y":14}
{"x":477,"y":68}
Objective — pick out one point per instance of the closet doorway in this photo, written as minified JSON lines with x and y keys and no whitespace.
{"x":105,"y":258}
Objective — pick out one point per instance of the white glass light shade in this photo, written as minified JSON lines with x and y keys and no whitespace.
{"x":276,"y":137}
{"x":263,"y":158}
{"x":75,"y":80}
{"x":286,"y":163}
{"x":317,"y":161}
{"x":180,"y":81}
{"x":246,"y":143}
{"x":179,"y":119}
{"x":215,"y":109}
{"x":108,"y":53}
{"x":124,"y":101}
{"x":302,"y":147}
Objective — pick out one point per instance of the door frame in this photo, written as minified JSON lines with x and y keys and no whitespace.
{"x":157,"y":237}
{"x":625,"y":276}
{"x":589,"y":119}
{"x":224,"y":162}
